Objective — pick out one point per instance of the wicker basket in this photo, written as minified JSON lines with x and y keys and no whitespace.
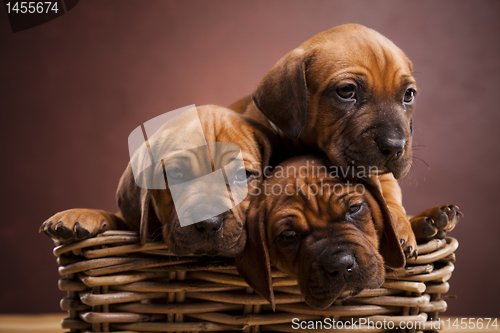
{"x":116,"y":285}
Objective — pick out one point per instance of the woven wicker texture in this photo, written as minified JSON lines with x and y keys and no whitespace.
{"x":116,"y":285}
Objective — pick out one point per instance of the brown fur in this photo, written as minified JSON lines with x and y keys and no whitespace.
{"x":324,"y":228}
{"x":298,"y":99}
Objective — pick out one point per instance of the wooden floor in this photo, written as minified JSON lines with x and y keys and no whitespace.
{"x":46,"y":323}
{"x":50,"y":323}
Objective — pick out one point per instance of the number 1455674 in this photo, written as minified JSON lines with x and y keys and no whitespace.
{"x":470,"y":323}
{"x":31,"y":7}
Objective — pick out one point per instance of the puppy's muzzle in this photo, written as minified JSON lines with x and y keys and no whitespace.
{"x":340,"y":266}
{"x":391,"y":148}
{"x":211,"y":225}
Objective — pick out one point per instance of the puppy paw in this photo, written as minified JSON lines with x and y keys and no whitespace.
{"x":435,"y":222}
{"x":408,"y":244}
{"x":405,"y":234}
{"x":77,"y":224}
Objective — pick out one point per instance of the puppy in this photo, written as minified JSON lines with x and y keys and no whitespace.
{"x":349,"y":93}
{"x":151,"y":205}
{"x":333,"y":235}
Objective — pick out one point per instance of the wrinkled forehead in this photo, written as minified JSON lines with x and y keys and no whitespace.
{"x":319,"y":200}
{"x":232,"y":137}
{"x":215,"y":129}
{"x":362,"y":50}
{"x":355,"y":40}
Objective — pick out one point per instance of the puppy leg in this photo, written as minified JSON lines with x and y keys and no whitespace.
{"x":77,"y":224}
{"x":434,"y":222}
{"x":394,"y":199}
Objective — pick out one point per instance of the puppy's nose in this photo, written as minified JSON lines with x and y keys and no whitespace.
{"x":211,"y":225}
{"x":390,"y":147}
{"x":341,"y":265}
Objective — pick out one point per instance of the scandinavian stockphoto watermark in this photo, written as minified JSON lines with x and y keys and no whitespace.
{"x":316,"y":171}
{"x":172,"y":151}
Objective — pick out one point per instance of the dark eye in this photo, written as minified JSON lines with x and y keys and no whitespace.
{"x":347,"y":91}
{"x":242,"y":176}
{"x":174,"y":173}
{"x":354,"y":209}
{"x":288,"y":234}
{"x":409,"y":96}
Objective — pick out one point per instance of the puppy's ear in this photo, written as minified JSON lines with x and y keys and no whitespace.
{"x":253,"y":263}
{"x":282,"y":94}
{"x":135,"y":204}
{"x":266,"y":140}
{"x":145,"y":209}
{"x":389,"y":247}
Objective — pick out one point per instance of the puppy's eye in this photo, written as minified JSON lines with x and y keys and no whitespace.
{"x":409,"y":96}
{"x":174,"y":173}
{"x":353,"y":209}
{"x":288,"y":234}
{"x":242,"y":176}
{"x":347,"y":91}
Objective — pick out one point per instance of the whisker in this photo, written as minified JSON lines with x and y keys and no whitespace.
{"x":417,"y":147}
{"x":415,"y":168}
{"x":419,"y":159}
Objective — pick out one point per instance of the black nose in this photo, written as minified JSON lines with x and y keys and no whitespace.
{"x":391,"y":147}
{"x":341,"y":265}
{"x":211,"y":225}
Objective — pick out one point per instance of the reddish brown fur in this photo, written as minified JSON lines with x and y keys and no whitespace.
{"x":322,"y":225}
{"x":153,"y":211}
{"x":219,"y":125}
{"x":298,"y":98}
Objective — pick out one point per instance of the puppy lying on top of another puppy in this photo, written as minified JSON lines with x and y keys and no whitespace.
{"x":348,"y":93}
{"x":347,"y":96}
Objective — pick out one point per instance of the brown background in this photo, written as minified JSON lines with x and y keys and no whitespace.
{"x":73,"y":89}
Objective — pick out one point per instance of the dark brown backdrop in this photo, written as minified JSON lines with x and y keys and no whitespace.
{"x":73,"y":89}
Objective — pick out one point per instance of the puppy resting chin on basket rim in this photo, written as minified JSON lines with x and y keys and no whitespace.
{"x":145,"y":209}
{"x":334,"y":236}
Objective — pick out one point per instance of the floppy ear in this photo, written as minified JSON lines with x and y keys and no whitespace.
{"x":253,"y":263}
{"x":135,"y":204}
{"x":282,"y":94}
{"x":389,"y":247}
{"x":264,"y":147}
{"x":145,"y":208}
{"x":267,"y":141}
